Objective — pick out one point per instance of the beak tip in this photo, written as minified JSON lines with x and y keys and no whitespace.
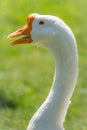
{"x":9,"y":37}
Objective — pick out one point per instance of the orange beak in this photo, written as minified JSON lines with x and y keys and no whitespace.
{"x":23,"y":31}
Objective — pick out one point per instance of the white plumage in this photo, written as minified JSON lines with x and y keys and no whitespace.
{"x":58,"y":38}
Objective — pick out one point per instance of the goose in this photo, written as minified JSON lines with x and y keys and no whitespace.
{"x":57,"y":38}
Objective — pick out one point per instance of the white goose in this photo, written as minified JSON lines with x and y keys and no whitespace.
{"x":57,"y":37}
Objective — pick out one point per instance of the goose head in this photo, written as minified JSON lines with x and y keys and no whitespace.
{"x":39,"y":29}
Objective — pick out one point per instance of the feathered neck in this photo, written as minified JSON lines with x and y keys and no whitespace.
{"x":66,"y":72}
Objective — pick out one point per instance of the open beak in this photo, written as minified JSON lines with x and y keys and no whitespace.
{"x":23,"y":31}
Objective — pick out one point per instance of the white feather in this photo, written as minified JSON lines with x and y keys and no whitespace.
{"x":58,"y":38}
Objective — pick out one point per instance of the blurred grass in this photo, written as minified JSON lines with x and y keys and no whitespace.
{"x":26,"y":72}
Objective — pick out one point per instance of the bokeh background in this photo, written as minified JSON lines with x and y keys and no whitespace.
{"x":26,"y":72}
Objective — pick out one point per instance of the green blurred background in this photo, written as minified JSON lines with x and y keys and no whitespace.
{"x":26,"y":72}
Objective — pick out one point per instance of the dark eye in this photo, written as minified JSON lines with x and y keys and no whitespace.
{"x":41,"y":22}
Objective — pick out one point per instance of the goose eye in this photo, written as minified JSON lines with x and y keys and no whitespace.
{"x":41,"y":22}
